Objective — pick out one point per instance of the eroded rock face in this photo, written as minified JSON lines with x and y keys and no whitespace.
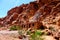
{"x":35,"y":13}
{"x":46,"y":1}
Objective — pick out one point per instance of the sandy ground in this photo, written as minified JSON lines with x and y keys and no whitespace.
{"x":13,"y":35}
{"x":9,"y":35}
{"x":6,"y":37}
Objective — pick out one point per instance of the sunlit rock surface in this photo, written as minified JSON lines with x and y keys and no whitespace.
{"x":36,"y":14}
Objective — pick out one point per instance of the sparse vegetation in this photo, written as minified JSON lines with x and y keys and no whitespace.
{"x":37,"y":34}
{"x":14,"y":27}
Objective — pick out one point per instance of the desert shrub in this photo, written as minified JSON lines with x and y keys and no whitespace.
{"x":36,"y":35}
{"x":14,"y":27}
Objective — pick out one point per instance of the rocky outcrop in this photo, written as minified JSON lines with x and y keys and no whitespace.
{"x":34,"y":15}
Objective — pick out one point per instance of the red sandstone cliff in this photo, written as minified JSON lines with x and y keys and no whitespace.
{"x":34,"y":14}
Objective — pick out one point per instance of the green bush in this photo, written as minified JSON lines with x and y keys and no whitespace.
{"x":14,"y":27}
{"x":36,"y":35}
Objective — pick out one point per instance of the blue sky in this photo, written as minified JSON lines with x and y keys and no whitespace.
{"x":6,"y":5}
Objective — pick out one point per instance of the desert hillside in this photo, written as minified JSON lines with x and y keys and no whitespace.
{"x":39,"y":14}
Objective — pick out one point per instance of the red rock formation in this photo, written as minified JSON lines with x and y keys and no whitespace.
{"x":41,"y":14}
{"x":35,"y":13}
